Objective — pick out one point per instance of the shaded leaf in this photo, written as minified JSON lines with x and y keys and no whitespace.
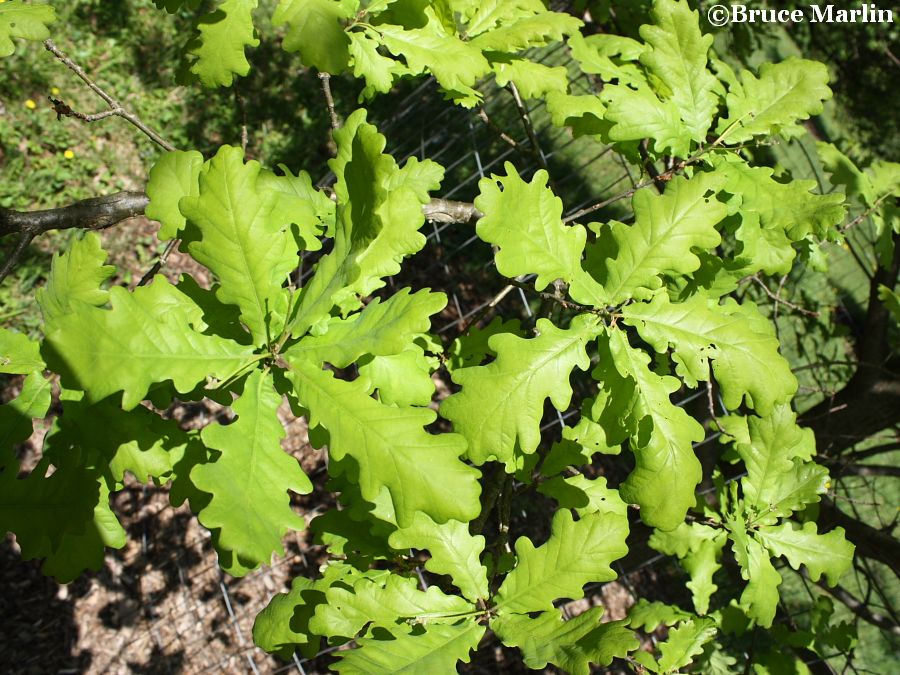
{"x":573,"y":645}
{"x":436,"y":649}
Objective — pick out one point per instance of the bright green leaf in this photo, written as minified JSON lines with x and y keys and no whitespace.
{"x":453,"y":550}
{"x":648,"y":616}
{"x":780,"y":477}
{"x":223,"y":36}
{"x":529,"y":31}
{"x":315,"y":30}
{"x":175,"y":175}
{"x":525,"y":221}
{"x":250,"y":480}
{"x":677,"y":57}
{"x":421,"y":471}
{"x":164,"y":343}
{"x":829,"y":554}
{"x":379,"y":214}
{"x":772,"y":104}
{"x":387,"y":603}
{"x":455,"y":64}
{"x":380,"y":329}
{"x":241,"y":242}
{"x":501,"y":404}
{"x":401,"y":379}
{"x":661,"y":433}
{"x":573,"y":645}
{"x":577,"y":552}
{"x":21,"y":20}
{"x":685,"y":641}
{"x":18,"y":354}
{"x":736,"y":339}
{"x":698,"y":547}
{"x":760,"y":597}
{"x":584,"y":495}
{"x":666,"y":230}
{"x":75,"y":277}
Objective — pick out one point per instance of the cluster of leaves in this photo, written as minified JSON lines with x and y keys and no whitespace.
{"x":381,"y":41}
{"x":650,"y":315}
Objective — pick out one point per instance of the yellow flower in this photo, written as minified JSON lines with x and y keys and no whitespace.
{"x":68,"y":154}
{"x":54,"y":91}
{"x":31,"y":105}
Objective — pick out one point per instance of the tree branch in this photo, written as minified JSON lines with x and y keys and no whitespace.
{"x":450,"y":211}
{"x":96,"y":213}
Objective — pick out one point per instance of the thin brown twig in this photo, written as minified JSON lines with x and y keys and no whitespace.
{"x":242,"y":111}
{"x":865,"y":214}
{"x":325,"y":79}
{"x":778,"y":299}
{"x":157,"y":265}
{"x":556,"y":299}
{"x":115,"y":108}
{"x":529,"y":129}
{"x":665,"y":176}
{"x":506,"y":138}
{"x":477,"y":316}
{"x":858,"y":608}
{"x":712,"y":408}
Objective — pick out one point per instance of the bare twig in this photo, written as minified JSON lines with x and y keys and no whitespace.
{"x":325,"y":78}
{"x":865,"y":214}
{"x":157,"y":266}
{"x":871,"y":470}
{"x":506,"y":138}
{"x":778,"y":299}
{"x":242,"y":111}
{"x":115,"y":108}
{"x":556,"y":299}
{"x":712,"y":408}
{"x":665,"y":176}
{"x":529,"y":128}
